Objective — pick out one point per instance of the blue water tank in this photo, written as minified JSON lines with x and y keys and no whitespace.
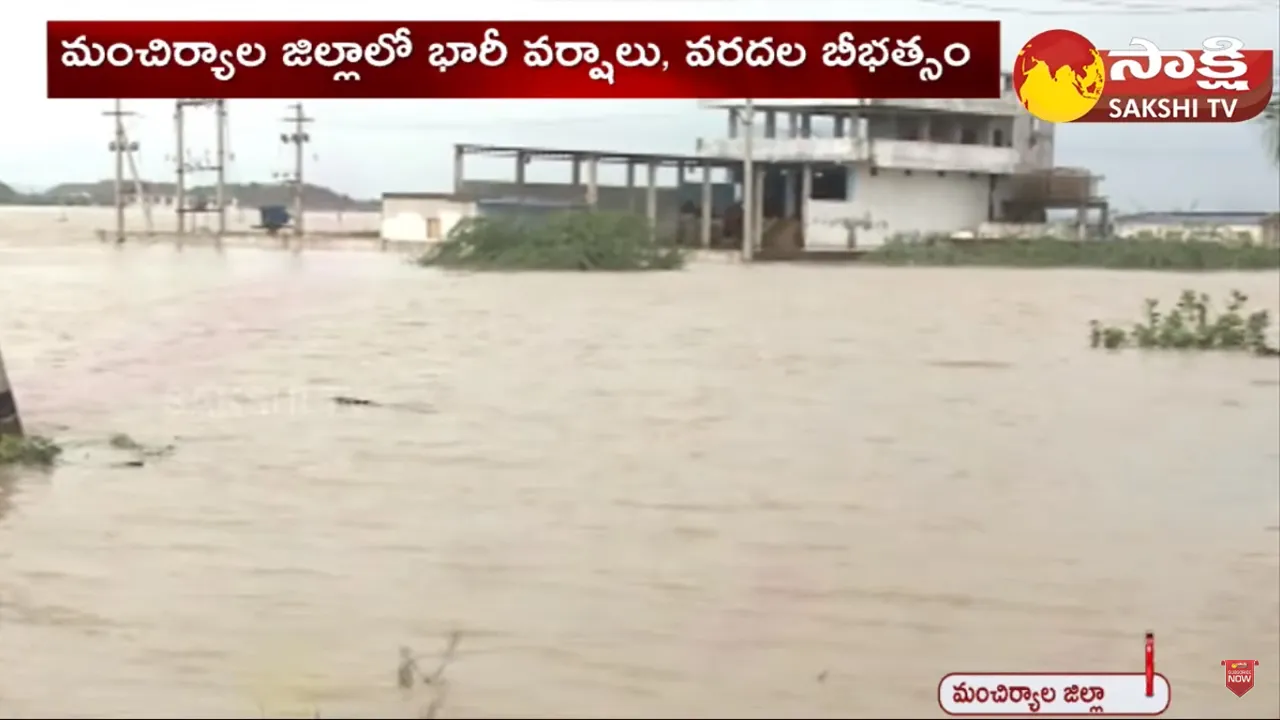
{"x":273,"y":217}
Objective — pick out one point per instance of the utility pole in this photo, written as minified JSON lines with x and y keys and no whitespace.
{"x":120,"y":146}
{"x":297,"y":138}
{"x":184,"y":167}
{"x":747,"y":113}
{"x":220,"y":109}
{"x":180,"y":169}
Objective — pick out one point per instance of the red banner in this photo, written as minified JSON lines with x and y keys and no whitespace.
{"x":710,"y":60}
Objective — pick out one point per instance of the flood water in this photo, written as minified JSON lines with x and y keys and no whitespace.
{"x":761,"y":491}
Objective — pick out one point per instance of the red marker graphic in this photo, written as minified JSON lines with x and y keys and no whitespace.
{"x":1151,"y":664}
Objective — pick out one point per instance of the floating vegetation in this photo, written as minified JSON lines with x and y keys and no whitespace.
{"x":1116,"y":254}
{"x":120,"y":441}
{"x":579,"y":241}
{"x":350,"y":401}
{"x":28,"y":451}
{"x":1191,"y":325}
{"x":140,"y":452}
{"x":409,"y":675}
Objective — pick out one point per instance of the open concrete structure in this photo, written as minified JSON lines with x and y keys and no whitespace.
{"x":698,"y":198}
{"x":830,"y":175}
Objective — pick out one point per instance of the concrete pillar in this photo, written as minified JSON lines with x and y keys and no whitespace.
{"x":789,"y":193}
{"x":10,"y":423}
{"x":770,"y":124}
{"x":680,"y":172}
{"x":459,"y":168}
{"x":521,"y":161}
{"x":733,"y":124}
{"x":806,"y":125}
{"x":704,"y":236}
{"x":651,"y":199}
{"x":838,"y":126}
{"x":593,"y":182}
{"x":793,"y":125}
{"x":926,"y":128}
{"x":577,"y":171}
{"x":758,"y":225}
{"x":806,"y":195}
{"x":631,"y":186}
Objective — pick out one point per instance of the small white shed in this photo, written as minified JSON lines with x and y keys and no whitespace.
{"x":422,"y":217}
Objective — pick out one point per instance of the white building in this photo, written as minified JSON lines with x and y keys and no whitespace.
{"x":1232,"y":228}
{"x":422,"y":216}
{"x":855,"y":173}
{"x":831,"y":175}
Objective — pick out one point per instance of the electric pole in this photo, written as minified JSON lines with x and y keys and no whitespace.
{"x":184,"y":167}
{"x":220,"y":109}
{"x":120,"y":146}
{"x":298,"y":138}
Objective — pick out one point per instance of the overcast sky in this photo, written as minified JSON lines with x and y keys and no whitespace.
{"x":367,"y":147}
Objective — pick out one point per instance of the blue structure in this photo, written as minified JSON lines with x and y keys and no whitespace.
{"x":272,"y":218}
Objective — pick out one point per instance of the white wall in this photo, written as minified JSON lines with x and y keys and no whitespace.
{"x":409,"y":219}
{"x":81,"y":222}
{"x":1240,"y":234}
{"x":923,"y":156}
{"x":894,"y":202}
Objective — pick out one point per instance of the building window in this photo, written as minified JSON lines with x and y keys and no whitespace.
{"x":433,"y":228}
{"x":830,"y":184}
{"x":997,"y":137}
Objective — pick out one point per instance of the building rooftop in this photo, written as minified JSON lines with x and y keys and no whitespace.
{"x":1007,"y":104}
{"x":456,"y":197}
{"x":1194,"y":217}
{"x":603,"y":156}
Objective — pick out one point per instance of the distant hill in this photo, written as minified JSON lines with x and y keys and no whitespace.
{"x":250,"y":195}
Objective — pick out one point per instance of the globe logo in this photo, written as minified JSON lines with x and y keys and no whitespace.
{"x":1059,"y":76}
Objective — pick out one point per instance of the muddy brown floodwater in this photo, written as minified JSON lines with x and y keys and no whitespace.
{"x":757,"y":492}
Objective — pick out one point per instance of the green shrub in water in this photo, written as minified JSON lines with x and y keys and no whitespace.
{"x":29,"y":451}
{"x":564,"y":241}
{"x":1191,"y":325}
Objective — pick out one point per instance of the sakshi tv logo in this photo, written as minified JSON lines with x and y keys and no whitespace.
{"x":1061,"y":76}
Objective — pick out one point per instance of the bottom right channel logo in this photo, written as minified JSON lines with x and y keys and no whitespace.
{"x":1239,"y":675}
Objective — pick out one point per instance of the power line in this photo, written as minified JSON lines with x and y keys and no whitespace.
{"x":522,"y":122}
